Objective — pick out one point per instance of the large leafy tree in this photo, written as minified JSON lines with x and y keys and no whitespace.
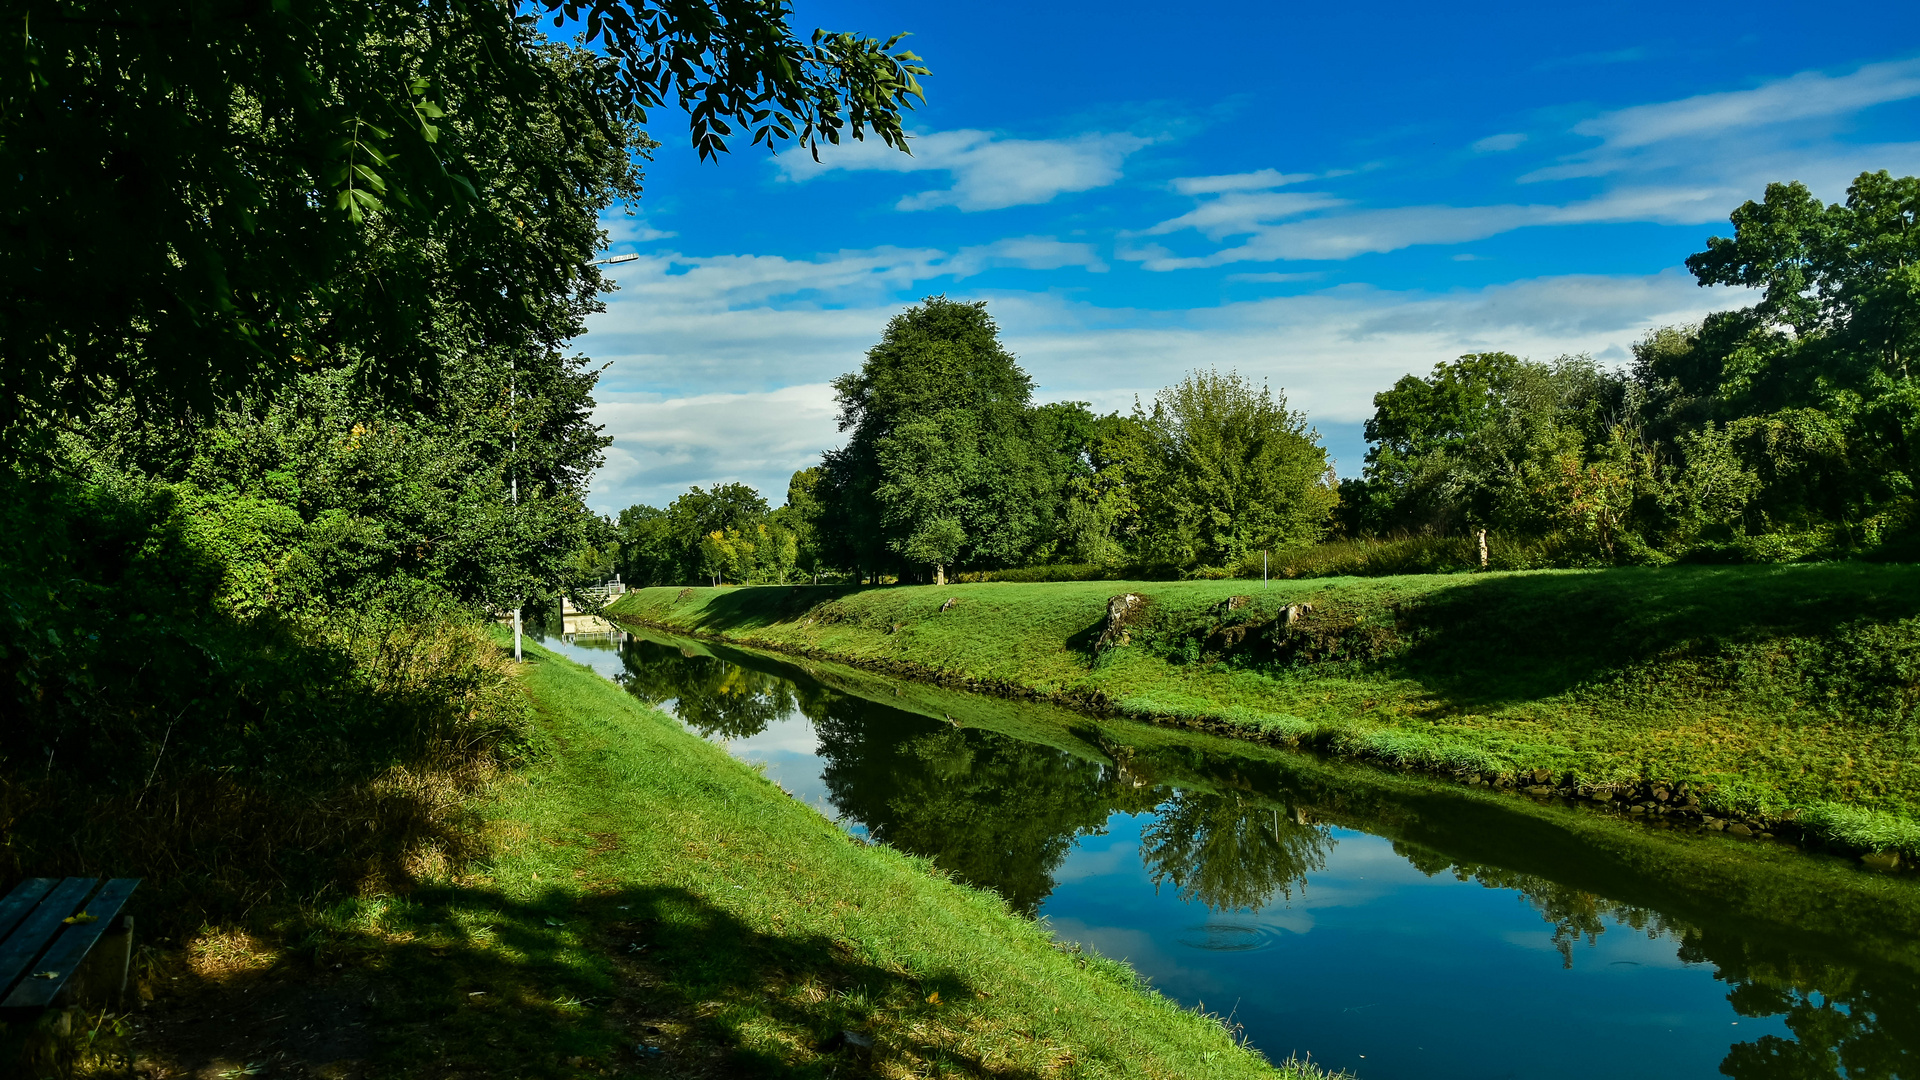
{"x":201,"y":198}
{"x":1478,"y":442}
{"x":1227,"y":470}
{"x":470,"y":483}
{"x":671,"y":546}
{"x":1836,"y":331}
{"x":941,"y":466}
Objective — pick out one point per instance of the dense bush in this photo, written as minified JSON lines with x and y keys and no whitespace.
{"x":161,"y":723}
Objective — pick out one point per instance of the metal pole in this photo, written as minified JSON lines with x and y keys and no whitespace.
{"x":513,"y":452}
{"x":1263,"y":570}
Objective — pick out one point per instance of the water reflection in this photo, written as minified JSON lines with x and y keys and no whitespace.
{"x":1382,"y":925}
{"x":1231,"y":851}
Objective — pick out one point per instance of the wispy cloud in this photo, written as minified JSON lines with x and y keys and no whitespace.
{"x":1275,"y":279}
{"x":752,"y":323}
{"x":662,"y":446}
{"x":988,"y":172}
{"x":720,"y":282}
{"x":1253,"y":181}
{"x":1593,"y":59}
{"x":1682,"y":162}
{"x":1808,"y":94}
{"x":1244,"y":212}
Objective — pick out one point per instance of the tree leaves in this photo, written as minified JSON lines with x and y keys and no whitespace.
{"x":224,"y":194}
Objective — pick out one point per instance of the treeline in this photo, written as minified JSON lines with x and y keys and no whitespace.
{"x":950,"y":465}
{"x":1779,"y":431}
{"x":1785,"y":430}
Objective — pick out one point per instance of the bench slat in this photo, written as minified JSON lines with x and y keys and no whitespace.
{"x":26,"y":943}
{"x":71,"y":947}
{"x":21,"y":900}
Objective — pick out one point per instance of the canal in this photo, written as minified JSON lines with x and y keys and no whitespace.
{"x":1389,"y":925}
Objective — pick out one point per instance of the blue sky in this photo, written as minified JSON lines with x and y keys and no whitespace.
{"x":1325,"y":198}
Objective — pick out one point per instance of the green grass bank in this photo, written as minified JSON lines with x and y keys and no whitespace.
{"x":1754,"y":698}
{"x":768,"y":931}
{"x":649,"y":906}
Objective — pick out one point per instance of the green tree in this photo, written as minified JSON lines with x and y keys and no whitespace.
{"x":1834,"y":334}
{"x":941,"y":463}
{"x":801,"y":516}
{"x":1233,"y":471}
{"x":1491,"y":441}
{"x":221,"y":195}
{"x":671,"y":546}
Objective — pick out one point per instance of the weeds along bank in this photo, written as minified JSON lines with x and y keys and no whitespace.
{"x":1758,"y":698}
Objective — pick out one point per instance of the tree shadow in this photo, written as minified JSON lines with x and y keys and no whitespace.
{"x":1502,"y":640}
{"x":652,"y":981}
{"x":760,"y":606}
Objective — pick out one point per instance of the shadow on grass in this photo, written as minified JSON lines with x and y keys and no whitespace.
{"x":1503,"y":640}
{"x":626,"y":982}
{"x":756,"y":607}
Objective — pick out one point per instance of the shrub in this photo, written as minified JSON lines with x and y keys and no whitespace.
{"x":225,"y":753}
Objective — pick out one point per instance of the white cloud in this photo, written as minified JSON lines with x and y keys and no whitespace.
{"x":625,"y":229}
{"x":1807,"y":94}
{"x":1494,"y":144}
{"x":1333,"y":349}
{"x":741,"y":394}
{"x":662,"y":446}
{"x":1307,"y":275}
{"x":1685,"y":162}
{"x":1343,"y":236}
{"x":988,"y":172}
{"x":1244,"y":212}
{"x":1616,"y":56}
{"x":1253,"y":181}
{"x":1026,"y":253}
{"x":670,"y":280}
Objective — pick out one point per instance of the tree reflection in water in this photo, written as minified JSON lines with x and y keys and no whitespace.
{"x":1231,"y":851}
{"x":1003,"y":814}
{"x":1844,"y":1022}
{"x":714,"y":697}
{"x":993,"y":811}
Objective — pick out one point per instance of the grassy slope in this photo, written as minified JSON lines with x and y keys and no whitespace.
{"x":654,"y":908}
{"x":646,"y":880}
{"x":1774,"y":690}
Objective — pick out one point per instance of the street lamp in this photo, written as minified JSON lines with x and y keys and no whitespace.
{"x":628,"y":257}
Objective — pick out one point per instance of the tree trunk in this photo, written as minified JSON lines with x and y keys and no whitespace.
{"x":1483,"y":549}
{"x":939,"y":573}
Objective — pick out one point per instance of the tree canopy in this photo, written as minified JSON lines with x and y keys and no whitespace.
{"x":221,"y":194}
{"x":941,"y":466}
{"x":1778,"y":430}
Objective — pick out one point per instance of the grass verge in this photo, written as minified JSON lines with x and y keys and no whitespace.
{"x":1753,"y":698}
{"x":653,"y":907}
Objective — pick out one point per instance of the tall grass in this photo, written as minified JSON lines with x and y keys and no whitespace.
{"x":345,"y":763}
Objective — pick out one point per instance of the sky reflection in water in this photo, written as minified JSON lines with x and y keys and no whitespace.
{"x":1383,"y":957}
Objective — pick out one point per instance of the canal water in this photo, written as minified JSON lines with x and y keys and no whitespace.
{"x":1384,"y":924}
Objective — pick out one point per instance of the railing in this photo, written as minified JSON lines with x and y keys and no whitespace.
{"x":601,"y":595}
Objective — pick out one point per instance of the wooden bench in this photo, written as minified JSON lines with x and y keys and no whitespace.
{"x":51,"y":951}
